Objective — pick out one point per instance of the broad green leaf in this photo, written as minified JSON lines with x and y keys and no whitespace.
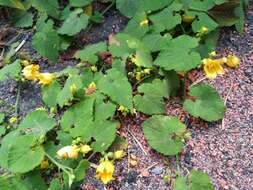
{"x":10,"y":71}
{"x":180,"y":183}
{"x":55,"y":185}
{"x":121,"y":48}
{"x":207,"y":104}
{"x":164,"y":134}
{"x":2,"y":116}
{"x":65,"y":95}
{"x":80,"y":170}
{"x":104,"y":133}
{"x":167,"y":18}
{"x":148,"y":6}
{"x":5,"y":184}
{"x":151,"y":102}
{"x":239,"y":12}
{"x":78,"y":3}
{"x":5,"y":146}
{"x":21,"y":18}
{"x":38,"y":123}
{"x":51,"y":7}
{"x":64,"y":138}
{"x":89,"y":54}
{"x":116,"y":86}
{"x":103,"y":110}
{"x":78,"y":117}
{"x":13,"y":3}
{"x":50,"y":93}
{"x":2,"y":130}
{"x":143,"y":59}
{"x":200,"y":181}
{"x":173,"y":82}
{"x":74,"y":23}
{"x":156,"y":42}
{"x":179,"y":55}
{"x":208,"y":44}
{"x":34,"y":180}
{"x":203,"y":21}
{"x":23,"y":155}
{"x":128,"y":7}
{"x":134,"y":27}
{"x":47,"y":42}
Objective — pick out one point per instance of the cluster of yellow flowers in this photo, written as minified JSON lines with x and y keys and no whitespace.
{"x":106,"y":168}
{"x":31,"y":72}
{"x":213,"y":67}
{"x":72,"y":151}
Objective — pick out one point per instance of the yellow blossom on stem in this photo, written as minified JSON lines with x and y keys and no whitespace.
{"x":105,"y":171}
{"x":212,"y":67}
{"x":233,"y":61}
{"x":46,"y":78}
{"x":25,"y":62}
{"x":44,"y":164}
{"x":138,"y":76}
{"x":85,"y":149}
{"x":118,"y":154}
{"x":68,"y":152}
{"x":73,"y":88}
{"x":144,"y":22}
{"x":13,"y":120}
{"x":203,"y":30}
{"x":122,"y":109}
{"x":31,"y":72}
{"x":212,"y":54}
{"x":147,"y":71}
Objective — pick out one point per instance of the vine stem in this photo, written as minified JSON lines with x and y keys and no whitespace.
{"x":108,"y":8}
{"x":17,"y":99}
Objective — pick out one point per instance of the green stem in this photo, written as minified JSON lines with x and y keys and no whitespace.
{"x":108,"y":8}
{"x":17,"y":99}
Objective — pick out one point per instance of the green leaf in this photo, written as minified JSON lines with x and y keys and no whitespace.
{"x":4,"y":184}
{"x":10,"y":71}
{"x":2,"y":130}
{"x":152,"y":101}
{"x":164,"y":134}
{"x":74,"y":23}
{"x":78,"y":116}
{"x":180,"y":184}
{"x":156,"y":42}
{"x":51,"y":7}
{"x":34,"y":180}
{"x":239,"y":12}
{"x":80,"y":170}
{"x":38,"y":122}
{"x":55,"y":185}
{"x":13,"y":3}
{"x":208,"y":104}
{"x":178,"y":55}
{"x":47,"y":42}
{"x":149,"y":6}
{"x":50,"y":93}
{"x":78,"y":3}
{"x":203,"y":21}
{"x":128,"y":7}
{"x":116,"y":86}
{"x":167,"y":18}
{"x":134,"y":27}
{"x":200,"y":181}
{"x":104,"y":132}
{"x":65,"y":95}
{"x":21,"y":19}
{"x":89,"y":54}
{"x":2,"y":116}
{"x":23,"y":155}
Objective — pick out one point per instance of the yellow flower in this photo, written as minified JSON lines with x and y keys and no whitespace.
{"x":144,"y":22}
{"x":212,"y":67}
{"x":138,"y":76}
{"x":68,"y":152}
{"x":46,"y":78}
{"x":105,"y":171}
{"x":44,"y":164}
{"x":147,"y":71}
{"x":122,"y":109}
{"x":187,"y":19}
{"x":233,"y":61}
{"x":118,"y":154}
{"x":31,"y":72}
{"x":85,"y":149}
{"x":212,"y":54}
{"x":13,"y":120}
{"x":92,"y":85}
{"x":203,"y":30}
{"x":94,"y":68}
{"x":25,"y":62}
{"x":73,"y":88}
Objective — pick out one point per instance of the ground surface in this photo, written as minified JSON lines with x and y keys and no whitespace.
{"x":224,"y":149}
